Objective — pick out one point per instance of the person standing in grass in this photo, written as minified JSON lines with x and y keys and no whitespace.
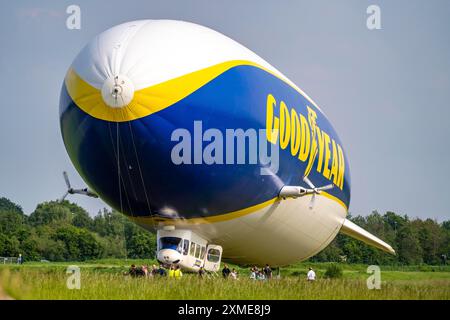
{"x":162,"y":271}
{"x":225,"y":271}
{"x":268,"y":272}
{"x":132,"y":271}
{"x":252,"y":274}
{"x":233,"y":274}
{"x":311,"y":276}
{"x":201,"y":272}
{"x":144,"y":270}
{"x":171,"y":272}
{"x":154,"y":271}
{"x":177,"y":272}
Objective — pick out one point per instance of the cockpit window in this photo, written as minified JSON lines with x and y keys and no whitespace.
{"x":213,"y":255}
{"x":170,"y":243}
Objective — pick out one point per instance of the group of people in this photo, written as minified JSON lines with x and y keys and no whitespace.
{"x":261,"y":274}
{"x":174,"y":271}
{"x":160,"y":270}
{"x":227,"y":273}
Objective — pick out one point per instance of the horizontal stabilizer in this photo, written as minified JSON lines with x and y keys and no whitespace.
{"x":352,"y":230}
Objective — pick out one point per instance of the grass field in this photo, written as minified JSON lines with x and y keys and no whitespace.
{"x":105,"y":280}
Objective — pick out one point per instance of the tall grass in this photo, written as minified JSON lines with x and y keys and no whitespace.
{"x":50,"y":283}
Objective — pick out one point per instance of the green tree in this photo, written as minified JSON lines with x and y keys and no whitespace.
{"x":395,"y":221}
{"x":110,"y":223}
{"x":80,"y":244}
{"x":432,"y":239}
{"x":29,"y":248}
{"x":141,"y":245}
{"x":409,"y":249}
{"x":8,"y":205}
{"x":446,"y":225}
{"x":113,"y":247}
{"x":11,"y":222}
{"x":52,"y":250}
{"x":49,"y":212}
{"x":9,"y":246}
{"x":81,"y":219}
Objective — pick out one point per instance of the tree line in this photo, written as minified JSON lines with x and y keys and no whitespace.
{"x":415,"y":241}
{"x":64,"y":231}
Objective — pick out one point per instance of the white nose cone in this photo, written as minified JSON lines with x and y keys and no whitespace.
{"x":169,"y":256}
{"x":117,"y":91}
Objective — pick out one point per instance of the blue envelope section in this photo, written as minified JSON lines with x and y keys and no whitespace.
{"x":139,"y":151}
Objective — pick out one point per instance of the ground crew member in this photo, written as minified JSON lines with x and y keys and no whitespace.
{"x":311,"y":276}
{"x":171,"y":272}
{"x":177,"y":272}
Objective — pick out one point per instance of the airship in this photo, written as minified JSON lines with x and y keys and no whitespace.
{"x":192,"y":135}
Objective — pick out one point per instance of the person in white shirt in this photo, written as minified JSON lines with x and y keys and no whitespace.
{"x":311,"y":276}
{"x":252,"y":274}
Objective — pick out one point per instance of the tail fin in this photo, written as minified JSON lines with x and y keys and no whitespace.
{"x":352,"y":230}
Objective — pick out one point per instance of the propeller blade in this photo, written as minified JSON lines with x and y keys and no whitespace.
{"x":64,"y":197}
{"x":313,"y":200}
{"x":66,"y":178}
{"x":327,"y":187}
{"x":308,"y":182}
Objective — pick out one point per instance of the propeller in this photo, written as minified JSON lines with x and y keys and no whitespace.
{"x":298,"y":191}
{"x":71,"y":190}
{"x":315,"y":190}
{"x":66,"y":178}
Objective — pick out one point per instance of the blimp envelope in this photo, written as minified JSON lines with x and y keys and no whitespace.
{"x":136,"y":89}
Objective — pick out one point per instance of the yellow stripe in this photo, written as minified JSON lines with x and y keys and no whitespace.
{"x":145,"y":101}
{"x":329,"y":196}
{"x":223,"y":217}
{"x":148,"y":100}
{"x":211,"y":219}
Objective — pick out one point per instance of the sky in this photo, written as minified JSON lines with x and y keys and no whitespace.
{"x":386,"y":91}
